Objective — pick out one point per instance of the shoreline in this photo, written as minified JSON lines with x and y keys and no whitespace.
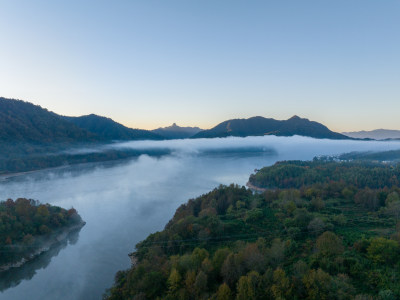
{"x":52,"y":240}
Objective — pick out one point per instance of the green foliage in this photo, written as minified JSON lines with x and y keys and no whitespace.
{"x":382,"y":250}
{"x":322,"y":241}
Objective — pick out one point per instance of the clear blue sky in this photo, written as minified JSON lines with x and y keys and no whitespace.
{"x":151,"y":63}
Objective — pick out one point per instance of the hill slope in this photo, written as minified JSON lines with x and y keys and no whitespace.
{"x":108,"y":129}
{"x":264,"y":126}
{"x":176,"y":132}
{"x":25,"y":122}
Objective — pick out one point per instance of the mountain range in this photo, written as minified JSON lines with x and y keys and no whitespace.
{"x":257,"y":126}
{"x":377,"y":134}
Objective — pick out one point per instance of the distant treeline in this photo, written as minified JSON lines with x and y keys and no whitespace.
{"x":393,"y":155}
{"x":38,"y":158}
{"x":327,"y":240}
{"x":297,"y":174}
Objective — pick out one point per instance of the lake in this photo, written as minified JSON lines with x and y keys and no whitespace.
{"x":122,"y":202}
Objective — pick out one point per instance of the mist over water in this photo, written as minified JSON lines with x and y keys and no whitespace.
{"x":123,"y":202}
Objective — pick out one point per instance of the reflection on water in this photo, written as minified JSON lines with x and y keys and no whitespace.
{"x":122,"y":202}
{"x":14,"y":276}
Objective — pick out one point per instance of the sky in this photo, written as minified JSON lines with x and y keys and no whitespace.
{"x":148,"y":64}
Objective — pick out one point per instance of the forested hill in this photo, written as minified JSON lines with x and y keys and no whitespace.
{"x":325,"y":241}
{"x":108,"y":129}
{"x":24,"y":122}
{"x":263,"y":126}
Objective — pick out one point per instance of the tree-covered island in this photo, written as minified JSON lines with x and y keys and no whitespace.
{"x":321,"y":230}
{"x":28,"y":228}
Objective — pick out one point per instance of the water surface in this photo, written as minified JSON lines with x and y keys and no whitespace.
{"x":123,"y":202}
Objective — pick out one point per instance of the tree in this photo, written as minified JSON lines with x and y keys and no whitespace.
{"x":329,"y":244}
{"x":189,"y":283}
{"x":174,"y":282}
{"x":393,"y":205}
{"x":200,"y":284}
{"x":281,"y":287}
{"x":224,"y":292}
{"x":382,"y":250}
{"x":232,"y":269}
{"x":248,"y":286}
{"x":276,"y":253}
{"x":316,"y":226}
{"x":318,"y":285}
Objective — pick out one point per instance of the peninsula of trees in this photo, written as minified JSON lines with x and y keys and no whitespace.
{"x":315,"y":236}
{"x":28,"y":228}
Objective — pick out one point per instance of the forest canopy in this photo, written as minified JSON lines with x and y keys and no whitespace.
{"x":329,"y":239}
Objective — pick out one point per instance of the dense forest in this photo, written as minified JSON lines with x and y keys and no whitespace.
{"x":24,"y":222}
{"x":323,"y":240}
{"x":296,"y":174}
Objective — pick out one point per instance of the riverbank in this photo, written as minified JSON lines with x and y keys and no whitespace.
{"x":44,"y":244}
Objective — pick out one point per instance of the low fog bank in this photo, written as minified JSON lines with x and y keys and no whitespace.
{"x":282,"y":146}
{"x":298,"y":147}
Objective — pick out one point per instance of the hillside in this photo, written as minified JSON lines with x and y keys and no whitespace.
{"x":176,"y":132}
{"x":263,"y":126}
{"x":108,"y":129}
{"x":33,"y":138}
{"x":326,"y":240}
{"x":23,"y":122}
{"x":377,"y":134}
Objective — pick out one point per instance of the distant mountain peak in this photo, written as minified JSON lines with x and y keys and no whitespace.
{"x":258,"y":126}
{"x":177,"y":132}
{"x":377,"y":134}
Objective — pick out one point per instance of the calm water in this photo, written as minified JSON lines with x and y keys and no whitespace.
{"x":123,"y":202}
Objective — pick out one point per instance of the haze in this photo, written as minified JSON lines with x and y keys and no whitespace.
{"x":148,"y":64}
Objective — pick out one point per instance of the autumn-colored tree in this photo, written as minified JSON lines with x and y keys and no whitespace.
{"x":281,"y":287}
{"x":248,"y":286}
{"x":189,"y":284}
{"x":318,"y":284}
{"x":174,"y":282}
{"x":224,"y":292}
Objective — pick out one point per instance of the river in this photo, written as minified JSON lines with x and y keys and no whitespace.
{"x":124,"y":201}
